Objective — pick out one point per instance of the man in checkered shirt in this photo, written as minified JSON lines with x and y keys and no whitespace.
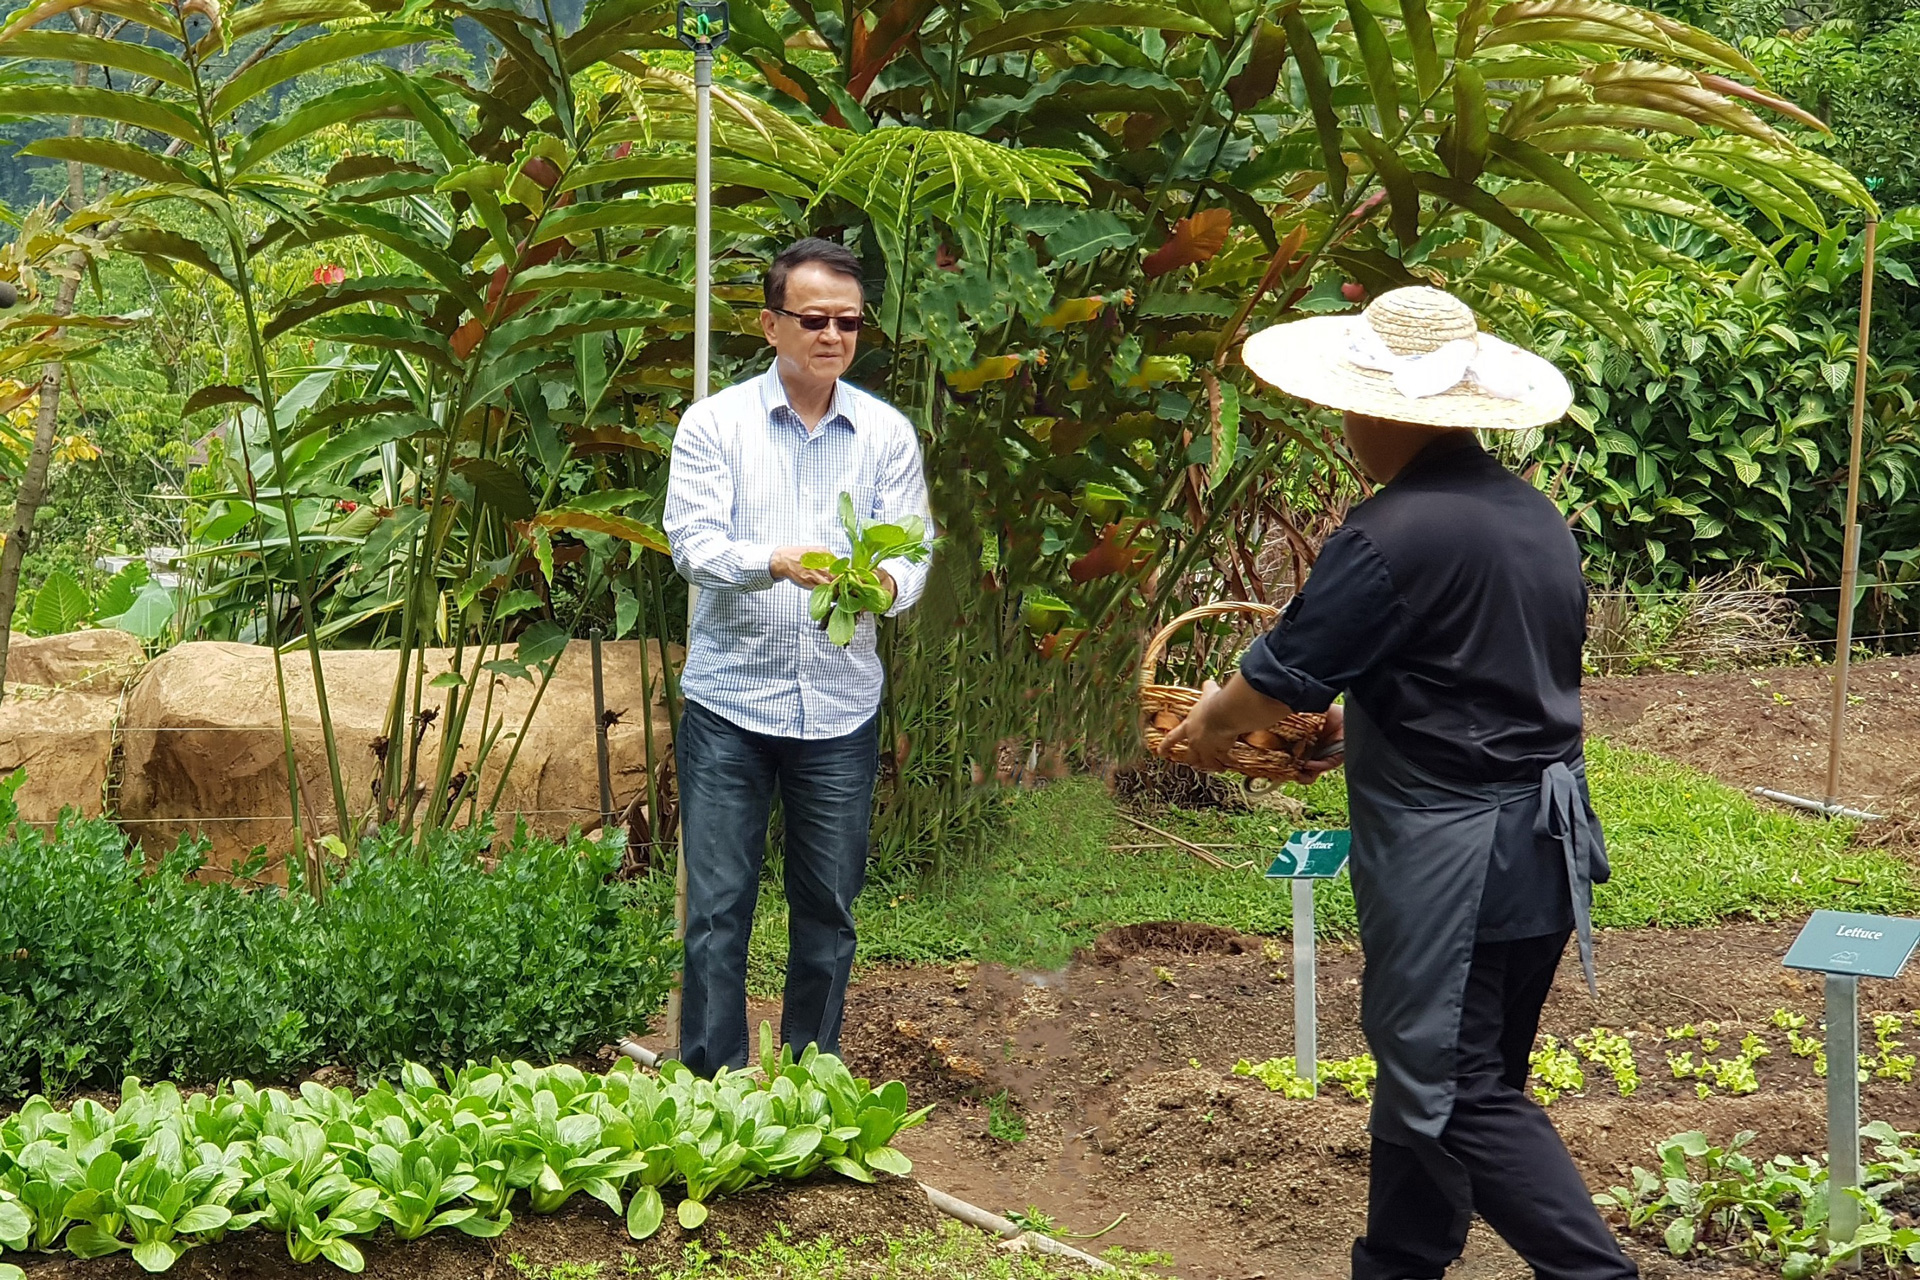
{"x":772,"y":705}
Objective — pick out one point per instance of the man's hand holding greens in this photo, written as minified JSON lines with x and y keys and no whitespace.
{"x":844,"y":587}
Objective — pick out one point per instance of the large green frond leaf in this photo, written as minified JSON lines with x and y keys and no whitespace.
{"x":1026,"y":27}
{"x":101,"y":104}
{"x":143,"y":12}
{"x":122,"y":157}
{"x":121,"y":55}
{"x":314,"y":54}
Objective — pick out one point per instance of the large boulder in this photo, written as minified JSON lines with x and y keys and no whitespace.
{"x":203,"y":751}
{"x":56,"y":720}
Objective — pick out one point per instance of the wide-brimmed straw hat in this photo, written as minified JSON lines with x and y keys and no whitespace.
{"x":1414,"y":355}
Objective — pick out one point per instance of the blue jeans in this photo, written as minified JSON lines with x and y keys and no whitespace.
{"x":728,"y":778}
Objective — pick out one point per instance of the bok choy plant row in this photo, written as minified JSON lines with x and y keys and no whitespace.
{"x":166,"y":1171}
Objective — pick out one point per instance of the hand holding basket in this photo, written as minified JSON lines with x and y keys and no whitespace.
{"x":1277,"y":753}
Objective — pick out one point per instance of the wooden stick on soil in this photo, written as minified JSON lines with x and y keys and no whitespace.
{"x":1850,"y":555}
{"x":1192,"y":848}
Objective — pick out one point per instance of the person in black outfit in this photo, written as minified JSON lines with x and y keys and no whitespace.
{"x":1449,"y":611}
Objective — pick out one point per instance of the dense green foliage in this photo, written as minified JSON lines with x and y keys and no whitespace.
{"x":465,"y":946}
{"x":453,"y":303}
{"x":162,"y":1172}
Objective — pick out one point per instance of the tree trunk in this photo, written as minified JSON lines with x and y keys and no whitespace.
{"x":33,"y":485}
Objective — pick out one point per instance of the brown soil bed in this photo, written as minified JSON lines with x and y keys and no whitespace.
{"x":1124,"y":1082}
{"x":1770,"y":729}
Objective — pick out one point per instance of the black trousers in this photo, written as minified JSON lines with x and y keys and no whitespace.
{"x":1524,"y":1183}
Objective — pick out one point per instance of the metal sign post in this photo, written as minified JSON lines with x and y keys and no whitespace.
{"x":1308,"y":856}
{"x":703,"y":26}
{"x":1847,"y":947}
{"x":1306,"y":1012}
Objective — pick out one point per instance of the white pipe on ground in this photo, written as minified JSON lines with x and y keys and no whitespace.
{"x":1827,"y":807}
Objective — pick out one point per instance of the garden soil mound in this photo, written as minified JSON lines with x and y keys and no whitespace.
{"x":1120,"y":1068}
{"x":1769,"y":728}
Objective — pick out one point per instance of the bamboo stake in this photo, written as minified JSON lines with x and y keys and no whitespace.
{"x":1850,"y":554}
{"x":1196,"y":850}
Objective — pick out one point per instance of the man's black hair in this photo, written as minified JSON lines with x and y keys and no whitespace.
{"x":836,"y":258}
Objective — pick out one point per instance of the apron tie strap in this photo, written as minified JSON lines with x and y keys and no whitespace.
{"x":1560,"y":819}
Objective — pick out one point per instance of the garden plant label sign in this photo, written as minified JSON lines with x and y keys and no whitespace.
{"x":1313,"y":855}
{"x":1861,"y":945}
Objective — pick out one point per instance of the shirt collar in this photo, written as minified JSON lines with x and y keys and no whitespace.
{"x":773,"y":394}
{"x":1443,"y":453}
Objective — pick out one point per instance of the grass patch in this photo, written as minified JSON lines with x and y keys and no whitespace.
{"x":954,"y":1252}
{"x":1686,"y":850}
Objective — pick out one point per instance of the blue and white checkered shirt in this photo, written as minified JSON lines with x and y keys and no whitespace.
{"x":748,"y":478}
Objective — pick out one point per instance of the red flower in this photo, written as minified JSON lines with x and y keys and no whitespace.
{"x":332,"y":273}
{"x":346,"y":507}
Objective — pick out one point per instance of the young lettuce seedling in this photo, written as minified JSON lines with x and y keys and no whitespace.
{"x":855,"y":588}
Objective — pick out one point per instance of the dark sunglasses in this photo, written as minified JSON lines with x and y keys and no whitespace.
{"x":814,"y":324}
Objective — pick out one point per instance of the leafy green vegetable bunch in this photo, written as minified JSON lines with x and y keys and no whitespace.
{"x":163,"y":1173}
{"x":855,"y":587}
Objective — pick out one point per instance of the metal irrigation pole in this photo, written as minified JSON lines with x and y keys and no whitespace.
{"x":1850,"y":553}
{"x":703,"y":27}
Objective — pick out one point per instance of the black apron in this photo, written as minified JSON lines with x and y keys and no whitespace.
{"x":1423,"y":848}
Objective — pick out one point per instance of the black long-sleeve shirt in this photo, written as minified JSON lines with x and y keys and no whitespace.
{"x":1451,"y":606}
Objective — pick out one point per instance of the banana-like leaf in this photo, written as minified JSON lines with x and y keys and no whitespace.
{"x":1417,"y":25}
{"x":1403,"y":197}
{"x":121,"y":55}
{"x":1528,"y":22}
{"x":655,"y":170}
{"x":1543,"y":168}
{"x":143,"y":12}
{"x":362,"y":438}
{"x":1772,"y":194}
{"x":387,"y":332}
{"x":152,"y":242}
{"x":1487,"y":209}
{"x":339,"y":106}
{"x":1025,"y":28}
{"x":1596,"y":308}
{"x":580,"y":219}
{"x":1313,"y":74}
{"x":408,"y":239}
{"x":1674,"y":90}
{"x":133,"y":109}
{"x":1591,"y":140}
{"x":1383,"y":78}
{"x":611,"y":279}
{"x":1464,"y":149}
{"x":1673,"y":197}
{"x":314,"y":54}
{"x":625,"y":528}
{"x":217,"y":394}
{"x":359,"y":291}
{"x":248,"y":19}
{"x":1778,"y":159}
{"x":1614,"y":115}
{"x":122,"y":157}
{"x":559,"y":323}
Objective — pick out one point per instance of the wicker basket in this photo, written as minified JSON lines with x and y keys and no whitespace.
{"x":1275,"y":754}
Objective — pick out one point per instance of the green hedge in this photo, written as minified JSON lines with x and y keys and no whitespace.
{"x":418,"y":952}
